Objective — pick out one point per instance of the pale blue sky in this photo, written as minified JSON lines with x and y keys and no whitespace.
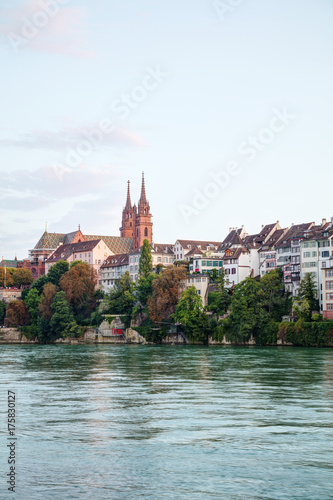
{"x":222,"y":80}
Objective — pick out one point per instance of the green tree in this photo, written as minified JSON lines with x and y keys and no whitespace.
{"x":2,"y":311}
{"x":57,"y":271}
{"x":120,"y":298}
{"x":32,"y":301}
{"x":22,"y":277}
{"x":223,"y":298}
{"x":306,"y":299}
{"x":189,"y":313}
{"x":62,"y":320}
{"x":272,"y":296}
{"x":145,"y":261}
{"x":144,"y":289}
{"x":189,"y":306}
{"x":244,"y":311}
{"x":39,"y":283}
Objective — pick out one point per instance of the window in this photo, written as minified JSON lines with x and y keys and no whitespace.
{"x":199,"y":292}
{"x":198,"y":280}
{"x":159,"y":259}
{"x":146,"y":231}
{"x":324,"y":243}
{"x":165,"y":259}
{"x":227,"y":271}
{"x":329,"y":273}
{"x":329,"y":307}
{"x":325,"y":254}
{"x":220,"y":264}
{"x":233,"y":271}
{"x":306,"y":254}
{"x":329,"y":285}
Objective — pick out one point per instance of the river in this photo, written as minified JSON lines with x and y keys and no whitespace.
{"x":168,"y":422}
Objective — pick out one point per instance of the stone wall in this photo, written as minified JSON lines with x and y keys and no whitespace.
{"x":13,"y":336}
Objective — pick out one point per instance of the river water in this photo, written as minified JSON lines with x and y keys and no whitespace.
{"x":167,"y":422}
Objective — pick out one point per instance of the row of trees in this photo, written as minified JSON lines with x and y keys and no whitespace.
{"x":253,"y":307}
{"x":12,"y":277}
{"x":57,"y":304}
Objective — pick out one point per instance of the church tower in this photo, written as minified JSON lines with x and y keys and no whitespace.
{"x":143,"y":227}
{"x":128,"y":219}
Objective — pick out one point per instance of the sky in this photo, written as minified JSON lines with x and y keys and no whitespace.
{"x":225,"y":105}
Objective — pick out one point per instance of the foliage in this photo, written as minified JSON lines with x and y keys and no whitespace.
{"x":57,"y":271}
{"x":22,"y":277}
{"x":144,"y":289}
{"x":189,"y":306}
{"x":145,"y":261}
{"x":62,"y":321}
{"x":39,"y":283}
{"x":223,"y":294}
{"x":198,"y":328}
{"x":6,"y":276}
{"x":121,"y":297}
{"x":2,"y":311}
{"x":46,"y":300}
{"x":96,"y":318}
{"x":32,"y":301}
{"x":17,"y":313}
{"x":306,"y":300}
{"x":272,"y":296}
{"x":306,"y":334}
{"x":79,"y":286}
{"x":167,"y":288}
{"x":244,"y":311}
{"x":267,"y":332}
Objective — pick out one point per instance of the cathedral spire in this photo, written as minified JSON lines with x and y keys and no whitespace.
{"x":143,"y":198}
{"x":128,"y":200}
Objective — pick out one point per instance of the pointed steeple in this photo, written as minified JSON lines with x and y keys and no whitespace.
{"x":143,"y":198}
{"x":128,"y":199}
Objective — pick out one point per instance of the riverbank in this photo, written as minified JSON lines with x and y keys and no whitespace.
{"x":130,"y":336}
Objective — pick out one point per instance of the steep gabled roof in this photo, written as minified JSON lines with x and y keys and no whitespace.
{"x":233,"y":238}
{"x":196,"y":243}
{"x":63,"y":252}
{"x":9,"y":262}
{"x":297,"y":231}
{"x":121,"y":259}
{"x":116,"y":244}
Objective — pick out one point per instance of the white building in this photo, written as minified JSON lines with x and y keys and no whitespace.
{"x":162,"y":256}
{"x":112,"y":269}
{"x":183,"y":247}
{"x":201,"y":285}
{"x":91,"y":252}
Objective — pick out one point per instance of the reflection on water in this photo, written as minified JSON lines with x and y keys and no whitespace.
{"x":128,"y":422}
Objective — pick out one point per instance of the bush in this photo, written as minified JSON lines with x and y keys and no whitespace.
{"x":306,"y":334}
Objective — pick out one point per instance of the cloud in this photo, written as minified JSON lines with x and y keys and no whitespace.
{"x":70,"y":137}
{"x":27,"y":190}
{"x":33,"y":26}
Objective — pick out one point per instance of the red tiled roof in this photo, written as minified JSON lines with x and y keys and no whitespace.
{"x":121,"y":259}
{"x":63,"y":252}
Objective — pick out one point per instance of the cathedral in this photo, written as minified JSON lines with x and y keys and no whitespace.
{"x":136,"y":226}
{"x":136,"y":220}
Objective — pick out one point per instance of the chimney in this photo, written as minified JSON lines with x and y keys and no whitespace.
{"x":323,"y":222}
